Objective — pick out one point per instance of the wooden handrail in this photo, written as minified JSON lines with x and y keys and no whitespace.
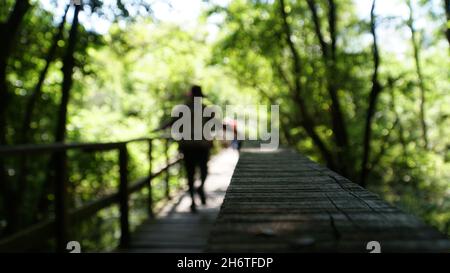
{"x":59,"y":147}
{"x":58,"y":224}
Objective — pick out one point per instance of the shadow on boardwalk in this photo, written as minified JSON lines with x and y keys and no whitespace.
{"x":175,"y":228}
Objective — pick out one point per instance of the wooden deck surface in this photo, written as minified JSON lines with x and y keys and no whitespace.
{"x":280,"y":201}
{"x":176,"y":229}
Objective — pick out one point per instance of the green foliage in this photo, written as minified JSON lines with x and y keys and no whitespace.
{"x":127,"y":80}
{"x":251,"y":47}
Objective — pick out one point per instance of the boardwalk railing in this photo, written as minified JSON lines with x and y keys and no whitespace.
{"x":57,"y":226}
{"x":280,"y":201}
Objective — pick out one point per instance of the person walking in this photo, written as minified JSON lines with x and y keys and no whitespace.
{"x":196,"y":152}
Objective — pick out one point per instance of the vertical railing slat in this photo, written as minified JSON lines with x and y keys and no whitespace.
{"x":150,"y":190}
{"x":123,"y":196}
{"x":166,"y":148}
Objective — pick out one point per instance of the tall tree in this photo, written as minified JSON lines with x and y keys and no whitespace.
{"x":67,"y":71}
{"x":416,"y":51}
{"x":373,"y":96}
{"x":307,"y":121}
{"x":24,"y":135}
{"x":8,"y":33}
{"x":59,"y":160}
{"x":329,"y":57}
{"x":32,"y":100}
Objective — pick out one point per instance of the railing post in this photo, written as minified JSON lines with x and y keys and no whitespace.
{"x":123,"y":196}
{"x":60,"y":183}
{"x":150,"y":192}
{"x":166,"y":148}
{"x":180,"y":174}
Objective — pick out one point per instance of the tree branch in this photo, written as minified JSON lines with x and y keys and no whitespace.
{"x":38,"y":88}
{"x":373,"y":96}
{"x":416,"y":51}
{"x":316,"y":20}
{"x":329,"y":58}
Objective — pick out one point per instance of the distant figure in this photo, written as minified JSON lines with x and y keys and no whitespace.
{"x":231,"y":124}
{"x":196,"y":152}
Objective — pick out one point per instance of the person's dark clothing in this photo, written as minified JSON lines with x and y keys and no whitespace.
{"x":196,"y":159}
{"x":196,"y":156}
{"x":195,"y":151}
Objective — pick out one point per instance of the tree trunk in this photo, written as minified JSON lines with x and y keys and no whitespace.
{"x":8,"y":33}
{"x":374,"y":92}
{"x":29,"y":109}
{"x":401,"y":130}
{"x":330,"y":61}
{"x":31,"y":103}
{"x":416,"y":51}
{"x":60,"y":159}
{"x":57,"y":168}
{"x":307,"y":122}
{"x":67,"y":70}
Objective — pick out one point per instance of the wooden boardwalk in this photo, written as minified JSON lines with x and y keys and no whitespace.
{"x":176,"y":229}
{"x":280,"y":201}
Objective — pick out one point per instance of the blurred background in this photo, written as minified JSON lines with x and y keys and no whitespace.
{"x":362,"y":88}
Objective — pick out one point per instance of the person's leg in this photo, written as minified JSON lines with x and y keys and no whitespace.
{"x":204,"y":167}
{"x":189,"y":164}
{"x":239,"y":145}
{"x":203,"y":164}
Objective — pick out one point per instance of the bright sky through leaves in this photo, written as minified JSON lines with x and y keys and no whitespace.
{"x":187,"y":13}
